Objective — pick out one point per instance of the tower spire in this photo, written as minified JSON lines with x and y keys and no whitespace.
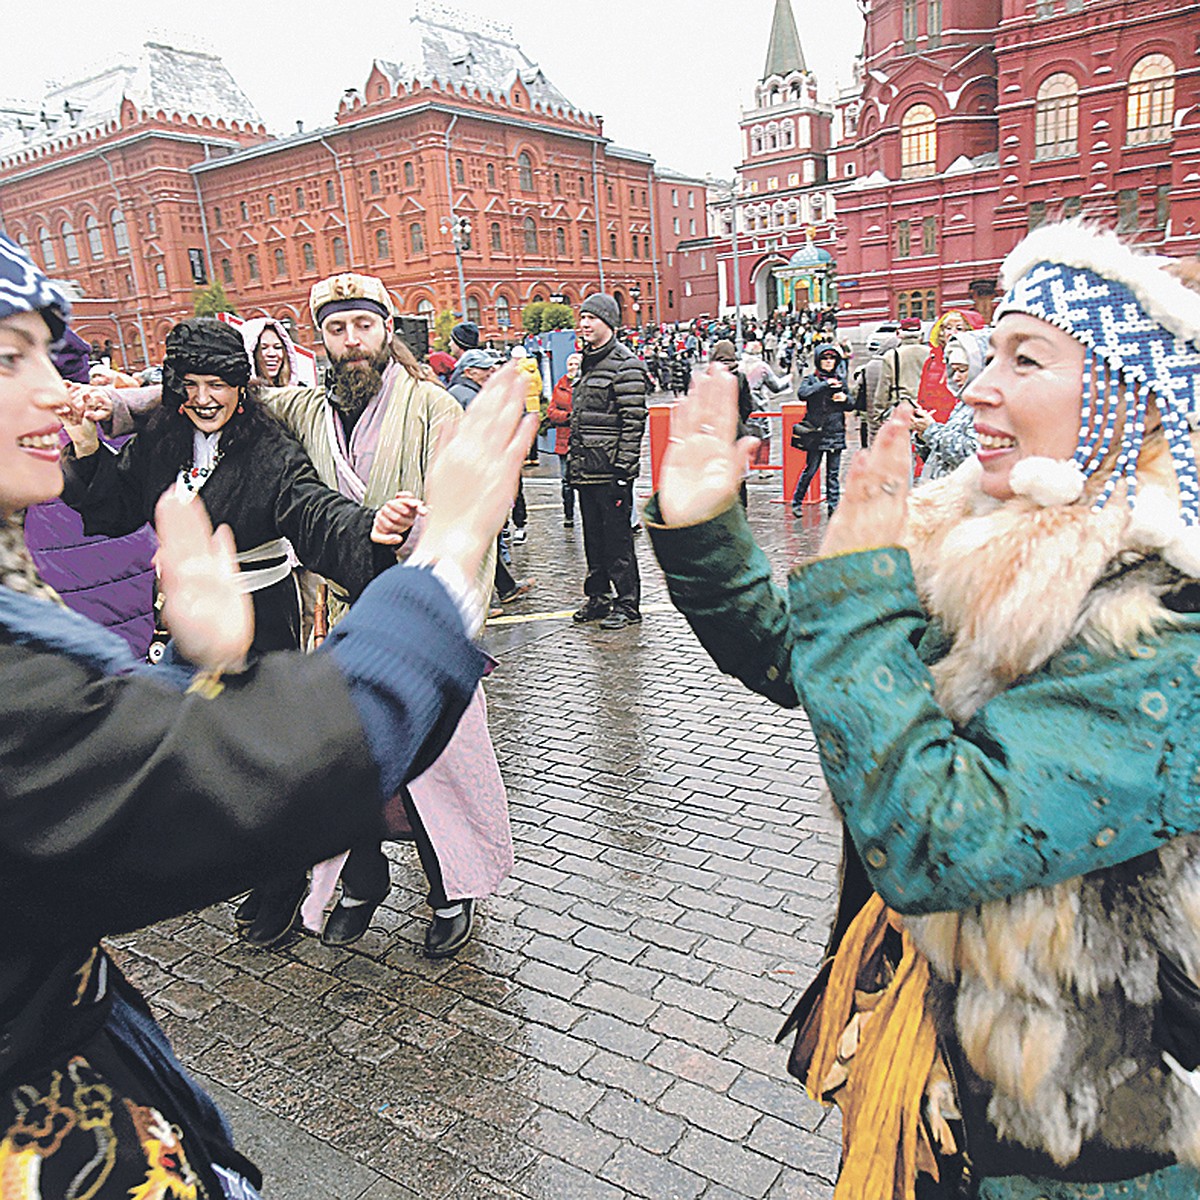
{"x":784,"y":54}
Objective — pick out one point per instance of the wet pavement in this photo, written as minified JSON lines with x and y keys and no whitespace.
{"x":609,"y":1031}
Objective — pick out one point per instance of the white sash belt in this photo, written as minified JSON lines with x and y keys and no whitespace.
{"x":257,"y":578}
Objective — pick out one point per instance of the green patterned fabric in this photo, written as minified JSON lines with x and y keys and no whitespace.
{"x":1175,"y":1183}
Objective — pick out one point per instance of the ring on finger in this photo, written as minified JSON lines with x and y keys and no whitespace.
{"x":890,"y":487}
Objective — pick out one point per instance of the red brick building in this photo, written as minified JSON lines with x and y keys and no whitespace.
{"x":163,"y":178}
{"x":980,"y":119}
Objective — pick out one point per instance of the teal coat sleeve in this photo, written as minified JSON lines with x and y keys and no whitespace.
{"x":1084,"y":764}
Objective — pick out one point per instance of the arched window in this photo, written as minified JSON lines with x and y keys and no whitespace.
{"x":300,"y":199}
{"x":756,"y":144}
{"x":119,"y":232}
{"x":473,"y":310}
{"x":308,"y":256}
{"x":373,"y":182}
{"x":425,"y":308}
{"x":160,"y":276}
{"x":582,"y":187}
{"x":217,"y":216}
{"x":1056,"y":127}
{"x":410,"y":176}
{"x":634,"y":244}
{"x":531,"y":245}
{"x":416,"y":238}
{"x":252,"y":265}
{"x":908,"y":25}
{"x":383,"y":243}
{"x":560,"y":241}
{"x":49,"y":259}
{"x":92,"y":228}
{"x":271,"y":209}
{"x":226,"y":270}
{"x":525,"y":171}
{"x":339,"y":252}
{"x":918,"y":142}
{"x":70,"y":243}
{"x":245,"y":209}
{"x":557,"y":184}
{"x":646,"y":245}
{"x":460,"y":172}
{"x":330,"y":193}
{"x":497,"y":239}
{"x":612,"y":244}
{"x":280,"y":264}
{"x":585,"y":242}
{"x":502,"y":312}
{"x":1150,"y":111}
{"x":491,"y":175}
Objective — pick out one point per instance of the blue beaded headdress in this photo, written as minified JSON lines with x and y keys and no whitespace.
{"x":23,"y":288}
{"x":1140,"y":329}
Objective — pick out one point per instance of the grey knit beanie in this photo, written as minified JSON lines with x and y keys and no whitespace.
{"x":602,"y":305}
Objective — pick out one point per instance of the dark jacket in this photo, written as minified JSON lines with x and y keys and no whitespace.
{"x":263,"y":489}
{"x":827,"y":414}
{"x":608,"y":416}
{"x":464,"y":390}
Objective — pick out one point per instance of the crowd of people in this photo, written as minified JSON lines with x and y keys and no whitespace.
{"x":996,"y":647}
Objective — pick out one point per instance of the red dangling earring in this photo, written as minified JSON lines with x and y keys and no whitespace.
{"x":181,"y":410}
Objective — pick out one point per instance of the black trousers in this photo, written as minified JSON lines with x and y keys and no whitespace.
{"x":568,"y":492}
{"x":505,"y":583}
{"x":365,"y":875}
{"x":608,"y":543}
{"x":833,"y":477}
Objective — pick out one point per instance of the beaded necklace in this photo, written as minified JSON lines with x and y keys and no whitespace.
{"x":206,"y":455}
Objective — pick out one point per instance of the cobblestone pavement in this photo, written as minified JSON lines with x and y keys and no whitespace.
{"x":609,"y":1031}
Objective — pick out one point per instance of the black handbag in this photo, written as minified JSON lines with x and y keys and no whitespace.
{"x":805,"y":436}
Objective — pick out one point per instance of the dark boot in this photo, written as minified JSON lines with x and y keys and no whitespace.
{"x":447,"y":935}
{"x":278,"y":906}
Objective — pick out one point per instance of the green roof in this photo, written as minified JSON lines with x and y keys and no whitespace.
{"x":783,"y":53}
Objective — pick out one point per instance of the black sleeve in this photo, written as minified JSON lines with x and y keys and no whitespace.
{"x":330,"y":534}
{"x":123,"y":801}
{"x":109,"y":491}
{"x":629,"y":393}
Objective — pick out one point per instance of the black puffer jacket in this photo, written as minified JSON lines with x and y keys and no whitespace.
{"x":608,"y":416}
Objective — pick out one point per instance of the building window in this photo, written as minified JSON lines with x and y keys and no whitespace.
{"x":1127,"y":210}
{"x":918,"y":143}
{"x":929,"y":235}
{"x":280,"y":264}
{"x":474,"y":312}
{"x":300,"y":199}
{"x":373,"y":182}
{"x":919,"y":304}
{"x":270,"y":205}
{"x":692,"y":226}
{"x":531,"y":245}
{"x":675,"y":226}
{"x":330,"y":193}
{"x":217,"y":217}
{"x":160,"y":276}
{"x":410,"y":176}
{"x":425,"y":309}
{"x":252,"y":265}
{"x":95,"y":246}
{"x":119,"y":231}
{"x":491,"y":175}
{"x":416,"y":238}
{"x":309,"y":256}
{"x":1162,"y":206}
{"x":634,"y":243}
{"x":582,"y":188}
{"x":245,"y":210}
{"x":903,"y":239}
{"x":497,"y":242}
{"x":525,"y":171}
{"x":560,"y":241}
{"x":585,"y":243}
{"x":933,"y":23}
{"x":502,"y":312}
{"x":608,"y":188}
{"x":383,"y":243}
{"x":908,"y":21}
{"x":612,"y":244}
{"x":646,"y":245}
{"x":557,"y":184}
{"x":1071,"y":207}
{"x":670,"y":297}
{"x":460,"y":172}
{"x":49,"y":260}
{"x":674,"y":197}
{"x":1037,"y":215}
{"x":1056,"y":128}
{"x":226,"y":270}
{"x":339,"y":252}
{"x":1151,"y":108}
{"x":70,"y":243}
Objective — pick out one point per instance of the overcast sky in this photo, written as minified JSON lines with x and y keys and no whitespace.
{"x":669,"y":76}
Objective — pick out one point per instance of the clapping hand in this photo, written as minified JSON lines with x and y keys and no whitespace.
{"x":396,"y":518}
{"x":874,"y":505}
{"x":206,"y":611}
{"x":705,"y":462}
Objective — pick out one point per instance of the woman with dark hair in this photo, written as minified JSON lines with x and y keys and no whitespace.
{"x":828,"y":401}
{"x":212,"y":437}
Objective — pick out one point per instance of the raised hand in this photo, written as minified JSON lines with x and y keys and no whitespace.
{"x":705,"y":463}
{"x":77,"y":421}
{"x":396,"y":518}
{"x":206,"y":611}
{"x":874,"y":505}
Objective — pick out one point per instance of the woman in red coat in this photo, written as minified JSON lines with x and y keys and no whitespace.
{"x":559,"y":414}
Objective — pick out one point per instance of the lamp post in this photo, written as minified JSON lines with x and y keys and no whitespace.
{"x":635,"y":294}
{"x":459,"y":229}
{"x":737,"y":271}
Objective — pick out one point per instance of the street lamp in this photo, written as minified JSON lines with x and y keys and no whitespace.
{"x":635,"y":294}
{"x":557,"y":298}
{"x":459,"y":229}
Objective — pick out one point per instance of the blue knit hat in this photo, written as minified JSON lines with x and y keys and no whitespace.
{"x":23,"y":288}
{"x":1140,"y":329}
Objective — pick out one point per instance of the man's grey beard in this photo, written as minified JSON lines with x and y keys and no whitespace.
{"x":353,"y":384}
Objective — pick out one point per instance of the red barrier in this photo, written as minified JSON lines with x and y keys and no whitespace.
{"x":660,"y":430}
{"x":794,"y":460}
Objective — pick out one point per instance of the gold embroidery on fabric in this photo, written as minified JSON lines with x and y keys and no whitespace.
{"x":40,"y":1125}
{"x":169,"y":1175}
{"x":92,"y":1103}
{"x":84,"y":975}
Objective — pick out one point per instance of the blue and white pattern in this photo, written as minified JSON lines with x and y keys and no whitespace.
{"x":1125,"y":346}
{"x":23,"y":288}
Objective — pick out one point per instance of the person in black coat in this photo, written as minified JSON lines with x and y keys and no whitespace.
{"x":828,"y":400}
{"x":212,"y":438}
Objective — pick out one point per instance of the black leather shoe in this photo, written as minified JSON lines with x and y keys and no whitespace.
{"x":594,"y":609}
{"x":620,"y":617}
{"x":447,"y":935}
{"x":344,"y":926}
{"x":245,"y":912}
{"x":278,"y":907}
